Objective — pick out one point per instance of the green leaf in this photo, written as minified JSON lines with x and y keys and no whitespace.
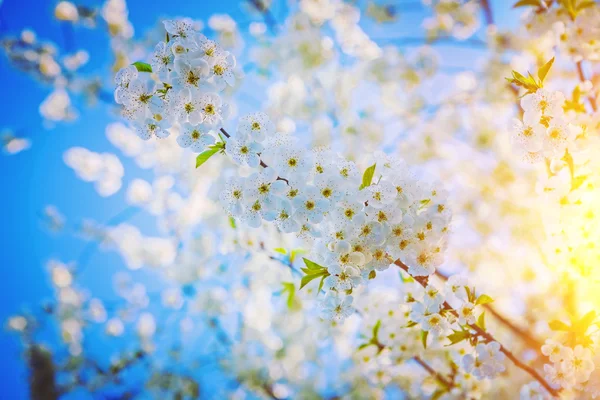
{"x":308,"y":278}
{"x":578,"y":181}
{"x":470,"y":294}
{"x":280,"y":250}
{"x":542,"y":72}
{"x":321,"y":283}
{"x":313,"y":266}
{"x":372,"y":274}
{"x":438,"y":394}
{"x":167,"y":37}
{"x":584,"y":323}
{"x":424,"y":335}
{"x":481,"y":321}
{"x":142,"y":66}
{"x":376,"y":329}
{"x":294,"y":253}
{"x":458,"y":336}
{"x":232,"y":222}
{"x":205,"y":155}
{"x":586,"y":4}
{"x":362,"y":346}
{"x":557,"y":325}
{"x":368,"y":177}
{"x":484,"y":299}
{"x":291,"y":290}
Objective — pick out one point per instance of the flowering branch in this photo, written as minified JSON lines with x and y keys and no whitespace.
{"x":423,"y":280}
{"x":522,"y":333}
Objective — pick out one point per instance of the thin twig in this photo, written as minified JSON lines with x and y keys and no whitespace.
{"x":487,"y":11}
{"x":449,"y":385}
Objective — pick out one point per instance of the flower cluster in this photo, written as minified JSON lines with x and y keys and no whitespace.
{"x":192,"y":71}
{"x":545,"y":131}
{"x":571,"y":366}
{"x":357,"y":226}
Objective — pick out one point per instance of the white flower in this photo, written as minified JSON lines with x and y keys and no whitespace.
{"x":467,"y":313}
{"x":347,"y":278}
{"x":233,"y":196}
{"x":162,"y":60}
{"x":244,"y":151}
{"x":529,"y":135}
{"x":183,"y":28}
{"x":151,"y":127}
{"x":578,"y":361}
{"x":212,"y":108}
{"x":258,"y":126}
{"x":221,"y":67}
{"x":291,"y":162}
{"x":559,"y":376}
{"x":187,"y":106}
{"x":310,"y":206}
{"x":281,"y":212}
{"x":337,"y":308}
{"x":558,"y":136}
{"x":488,"y":363}
{"x":382,"y":194}
{"x":137,"y":99}
{"x":433,"y":299}
{"x":543,"y":102}
{"x":189,"y":74}
{"x":197,"y":138}
{"x":123,"y":78}
{"x":554,"y":350}
{"x":534,"y":391}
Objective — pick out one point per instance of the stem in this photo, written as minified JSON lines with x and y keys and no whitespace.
{"x":449,"y":385}
{"x":591,"y":98}
{"x":423,"y":280}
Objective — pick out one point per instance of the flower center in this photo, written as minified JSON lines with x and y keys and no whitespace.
{"x":218,"y":69}
{"x":209,"y":109}
{"x":192,"y":78}
{"x":310,"y":205}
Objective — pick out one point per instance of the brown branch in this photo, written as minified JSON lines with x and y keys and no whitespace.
{"x":591,"y":98}
{"x":448,"y":384}
{"x":487,"y":336}
{"x":487,"y":12}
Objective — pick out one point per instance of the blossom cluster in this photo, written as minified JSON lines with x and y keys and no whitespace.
{"x":192,"y":70}
{"x":545,"y":131}
{"x":357,"y":226}
{"x":571,"y":367}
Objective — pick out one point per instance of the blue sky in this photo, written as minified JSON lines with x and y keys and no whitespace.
{"x":38,"y":177}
